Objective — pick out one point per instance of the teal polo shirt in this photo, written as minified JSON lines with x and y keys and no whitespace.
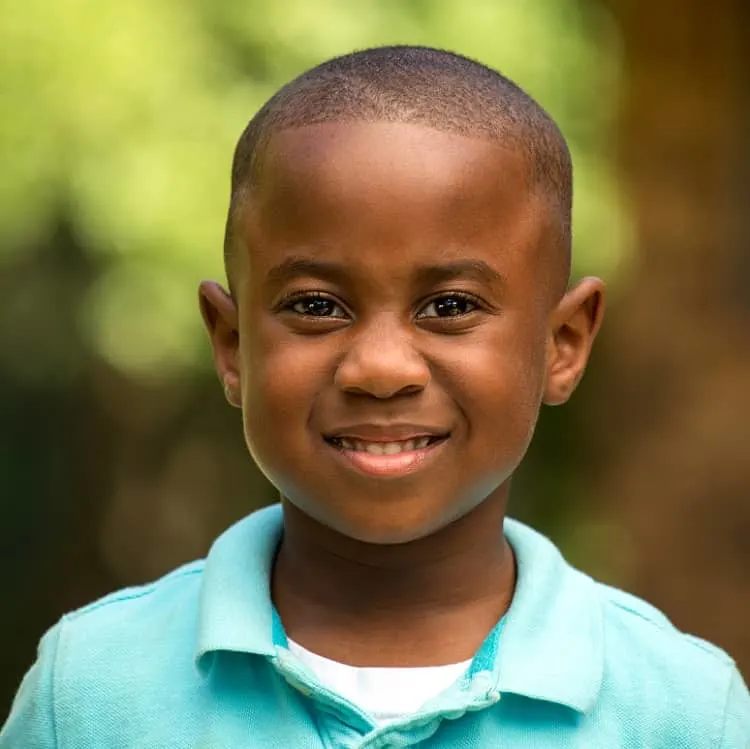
{"x":199,"y":659}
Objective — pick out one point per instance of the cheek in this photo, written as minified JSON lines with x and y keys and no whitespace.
{"x":501,"y":381}
{"x":281,"y":378}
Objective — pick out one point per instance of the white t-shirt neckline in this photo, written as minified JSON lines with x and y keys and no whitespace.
{"x":387,"y":694}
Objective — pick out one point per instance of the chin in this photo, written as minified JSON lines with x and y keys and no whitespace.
{"x":378,"y":531}
{"x":387,"y":537}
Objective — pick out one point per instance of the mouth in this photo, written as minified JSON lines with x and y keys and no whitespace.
{"x":387,"y":458}
{"x":384,"y":448}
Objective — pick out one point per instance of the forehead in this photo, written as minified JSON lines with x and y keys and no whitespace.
{"x":388,"y":192}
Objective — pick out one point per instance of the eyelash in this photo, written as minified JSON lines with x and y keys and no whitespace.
{"x":462,"y":295}
{"x":288,"y":303}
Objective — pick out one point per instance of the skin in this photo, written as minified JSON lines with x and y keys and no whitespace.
{"x":392,"y":280}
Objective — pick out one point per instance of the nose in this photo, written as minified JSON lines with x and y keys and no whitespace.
{"x":382,"y":362}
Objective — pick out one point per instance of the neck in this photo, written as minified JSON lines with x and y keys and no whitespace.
{"x":427,"y":602}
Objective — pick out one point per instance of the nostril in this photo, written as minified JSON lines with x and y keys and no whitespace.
{"x":382,"y":371}
{"x":411,"y":390}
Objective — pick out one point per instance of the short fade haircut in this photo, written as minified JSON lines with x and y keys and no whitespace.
{"x":418,"y":85}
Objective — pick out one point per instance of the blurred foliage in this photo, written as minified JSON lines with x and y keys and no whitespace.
{"x":122,"y":118}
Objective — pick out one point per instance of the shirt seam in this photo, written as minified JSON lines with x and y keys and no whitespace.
{"x":53,"y":684}
{"x":658,"y":622}
{"x":718,"y":656}
{"x":123,"y":596}
{"x":725,"y":721}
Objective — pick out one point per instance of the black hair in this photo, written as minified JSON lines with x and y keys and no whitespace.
{"x":418,"y":85}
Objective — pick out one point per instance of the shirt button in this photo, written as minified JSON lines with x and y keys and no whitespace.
{"x":285,"y":659}
{"x":482,"y":682}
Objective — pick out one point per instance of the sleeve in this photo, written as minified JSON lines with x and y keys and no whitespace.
{"x":31,"y":723}
{"x":737,"y":715}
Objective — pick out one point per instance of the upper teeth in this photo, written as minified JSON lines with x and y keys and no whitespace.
{"x":383,"y":448}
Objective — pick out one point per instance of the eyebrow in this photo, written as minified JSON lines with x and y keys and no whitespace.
{"x":297,"y":267}
{"x":477,"y":269}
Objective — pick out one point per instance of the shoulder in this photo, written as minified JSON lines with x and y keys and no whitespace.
{"x":179,"y":584}
{"x":631,"y":621}
{"x":630,"y":630}
{"x":685,"y":686}
{"x":124,"y":649}
{"x":133,"y":622}
{"x":649,"y":682}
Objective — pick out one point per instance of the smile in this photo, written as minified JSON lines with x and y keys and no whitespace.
{"x":387,"y":458}
{"x":383,"y":448}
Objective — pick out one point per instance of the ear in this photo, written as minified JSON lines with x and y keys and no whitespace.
{"x":219,"y":313}
{"x":575,"y":323}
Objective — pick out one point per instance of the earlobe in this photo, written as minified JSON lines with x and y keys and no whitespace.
{"x":575,"y":323}
{"x":219,"y":313}
{"x":233,"y":392}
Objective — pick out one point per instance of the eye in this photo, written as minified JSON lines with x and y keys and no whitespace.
{"x":449,"y":305}
{"x":314,"y":305}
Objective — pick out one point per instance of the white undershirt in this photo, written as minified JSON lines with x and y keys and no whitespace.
{"x":386,"y":694}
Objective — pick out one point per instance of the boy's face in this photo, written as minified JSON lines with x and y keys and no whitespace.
{"x":396,"y":326}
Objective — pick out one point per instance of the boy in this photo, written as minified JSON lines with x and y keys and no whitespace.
{"x":398,"y":252}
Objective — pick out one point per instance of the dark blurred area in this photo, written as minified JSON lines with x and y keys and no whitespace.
{"x":119,"y":457}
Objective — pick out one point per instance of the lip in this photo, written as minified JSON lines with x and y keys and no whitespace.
{"x":389,"y":466}
{"x":374,"y":432}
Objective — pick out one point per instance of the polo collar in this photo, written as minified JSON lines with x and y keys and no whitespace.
{"x":235,"y":611}
{"x":552,"y":643}
{"x":553,"y":636}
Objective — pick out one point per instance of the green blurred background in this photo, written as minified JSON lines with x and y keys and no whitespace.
{"x":119,"y":457}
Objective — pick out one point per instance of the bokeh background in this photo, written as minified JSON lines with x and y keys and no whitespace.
{"x":118,"y":456}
